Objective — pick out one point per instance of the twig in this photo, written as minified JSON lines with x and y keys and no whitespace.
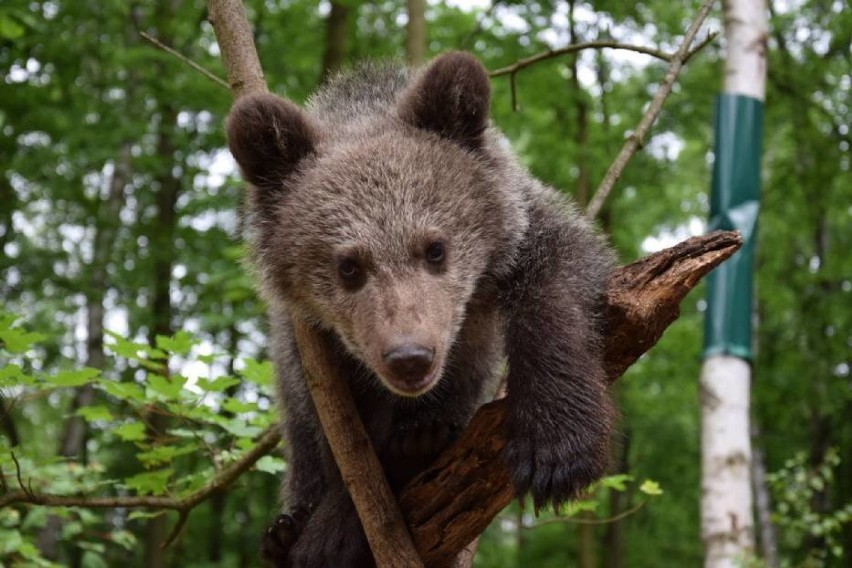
{"x":637,"y":139}
{"x":578,"y":521}
{"x":574,"y":48}
{"x":185,"y":59}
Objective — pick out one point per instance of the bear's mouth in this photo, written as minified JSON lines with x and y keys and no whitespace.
{"x":413,"y":387}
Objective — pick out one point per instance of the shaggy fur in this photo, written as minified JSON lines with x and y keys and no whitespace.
{"x":390,"y":216}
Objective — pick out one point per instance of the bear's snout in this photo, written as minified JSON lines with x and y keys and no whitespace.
{"x":410,"y":365}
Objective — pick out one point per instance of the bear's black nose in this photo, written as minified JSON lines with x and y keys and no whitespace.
{"x":409,"y":363}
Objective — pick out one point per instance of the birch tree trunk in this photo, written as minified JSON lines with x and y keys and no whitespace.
{"x":727,"y":523}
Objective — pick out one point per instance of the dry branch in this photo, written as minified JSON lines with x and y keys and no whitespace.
{"x":637,"y":139}
{"x":453,"y":501}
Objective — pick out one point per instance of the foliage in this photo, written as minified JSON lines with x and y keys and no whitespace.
{"x":795,"y":488}
{"x":210,"y":429}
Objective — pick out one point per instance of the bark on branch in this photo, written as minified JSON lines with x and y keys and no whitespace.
{"x":453,"y":501}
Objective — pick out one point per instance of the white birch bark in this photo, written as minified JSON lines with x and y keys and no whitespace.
{"x":727,"y":525}
{"x":727,"y":520}
{"x":746,"y":31}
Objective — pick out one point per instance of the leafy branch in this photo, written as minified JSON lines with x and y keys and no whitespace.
{"x":265,"y":443}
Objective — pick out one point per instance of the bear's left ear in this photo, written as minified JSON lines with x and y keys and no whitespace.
{"x":451,"y":98}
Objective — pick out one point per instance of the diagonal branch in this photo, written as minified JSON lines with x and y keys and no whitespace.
{"x":637,"y":138}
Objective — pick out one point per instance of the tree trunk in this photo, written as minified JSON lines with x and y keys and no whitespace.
{"x":763,"y":504}
{"x":335,"y":39}
{"x":73,"y":442}
{"x":415,"y":32}
{"x":581,"y":126}
{"x":618,"y":501}
{"x":161,"y":241}
{"x":726,"y":501}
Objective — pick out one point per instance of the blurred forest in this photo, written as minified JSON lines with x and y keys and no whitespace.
{"x":132,"y":344}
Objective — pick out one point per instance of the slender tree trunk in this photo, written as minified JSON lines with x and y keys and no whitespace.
{"x":218,"y":501}
{"x":581,"y":124}
{"x":763,"y":503}
{"x":415,"y":32}
{"x":726,"y":502}
{"x":613,"y":542}
{"x":336,"y":30}
{"x":587,"y":542}
{"x":161,"y":239}
{"x":73,"y":442}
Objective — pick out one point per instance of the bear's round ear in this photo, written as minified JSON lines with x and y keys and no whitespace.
{"x":268,"y":136}
{"x":451,"y":98}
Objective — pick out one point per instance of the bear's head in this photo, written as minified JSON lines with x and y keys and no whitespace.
{"x":380,"y":226}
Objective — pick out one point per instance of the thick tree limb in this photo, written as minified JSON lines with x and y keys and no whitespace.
{"x":453,"y":501}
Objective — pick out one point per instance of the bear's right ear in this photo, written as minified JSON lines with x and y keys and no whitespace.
{"x":268,"y":136}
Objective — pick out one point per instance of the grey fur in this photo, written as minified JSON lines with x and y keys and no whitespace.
{"x":382,"y":164}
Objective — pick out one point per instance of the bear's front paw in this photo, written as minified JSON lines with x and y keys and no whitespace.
{"x":280,"y":537}
{"x":553,"y":465}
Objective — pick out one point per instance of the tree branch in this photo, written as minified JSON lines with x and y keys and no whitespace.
{"x":637,"y":139}
{"x":183,"y":505}
{"x":359,"y":467}
{"x":453,"y":501}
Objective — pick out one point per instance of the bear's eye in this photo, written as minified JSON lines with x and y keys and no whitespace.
{"x":435,"y":252}
{"x":348,"y":269}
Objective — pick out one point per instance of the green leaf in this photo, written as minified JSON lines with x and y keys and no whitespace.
{"x":138,"y":514}
{"x":92,"y":413}
{"x":131,"y":431}
{"x":240,"y":429}
{"x":218,"y":384}
{"x":649,"y":487}
{"x":12,"y":376}
{"x":617,"y":482}
{"x":164,"y":454}
{"x":124,"y":391}
{"x":270,"y":464}
{"x":179,"y":344}
{"x":256,"y":372}
{"x":17,"y":340}
{"x":9,"y":28}
{"x":124,"y":539}
{"x":237,"y":406}
{"x":150,"y":482}
{"x":73,"y":378}
{"x":169,"y":388}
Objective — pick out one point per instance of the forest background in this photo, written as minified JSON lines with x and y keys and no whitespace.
{"x":132,"y":344}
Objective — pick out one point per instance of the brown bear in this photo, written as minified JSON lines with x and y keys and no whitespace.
{"x":390,"y":216}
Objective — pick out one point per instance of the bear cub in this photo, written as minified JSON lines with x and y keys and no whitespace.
{"x":390,"y":216}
